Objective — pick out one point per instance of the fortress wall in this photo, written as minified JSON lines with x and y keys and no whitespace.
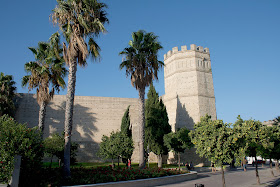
{"x":189,"y":91}
{"x":93,"y":118}
{"x":189,"y":94}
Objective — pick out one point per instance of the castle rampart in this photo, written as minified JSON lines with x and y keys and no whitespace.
{"x":188,"y":80}
{"x":189,"y":94}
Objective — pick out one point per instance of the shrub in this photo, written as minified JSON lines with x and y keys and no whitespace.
{"x":54,"y":146}
{"x":17,"y":139}
{"x":82,"y":176}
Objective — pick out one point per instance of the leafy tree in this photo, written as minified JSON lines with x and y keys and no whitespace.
{"x":54,"y":146}
{"x":126,"y":130}
{"x":17,"y":139}
{"x":7,"y":93}
{"x":126,"y":126}
{"x":115,"y":146}
{"x":254,"y":137}
{"x":127,"y":147}
{"x":81,"y":21}
{"x":142,"y":65}
{"x":156,"y":124}
{"x":45,"y":74}
{"x":178,"y":142}
{"x":214,"y":140}
{"x":276,"y":121}
{"x":272,"y":151}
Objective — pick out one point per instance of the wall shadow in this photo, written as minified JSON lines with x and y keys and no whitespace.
{"x":183,"y":119}
{"x":83,"y":131}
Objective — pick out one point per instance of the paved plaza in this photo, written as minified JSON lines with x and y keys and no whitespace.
{"x":234,"y":178}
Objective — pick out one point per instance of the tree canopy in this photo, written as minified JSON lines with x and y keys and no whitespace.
{"x":125,"y":125}
{"x":156,"y":124}
{"x":214,"y":140}
{"x":178,"y":141}
{"x":45,"y":74}
{"x":7,"y":93}
{"x":116,"y":145}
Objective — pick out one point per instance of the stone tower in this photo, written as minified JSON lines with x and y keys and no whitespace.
{"x":189,"y":91}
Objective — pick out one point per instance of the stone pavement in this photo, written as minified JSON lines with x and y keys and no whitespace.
{"x":234,"y":178}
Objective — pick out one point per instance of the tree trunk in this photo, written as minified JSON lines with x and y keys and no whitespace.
{"x":270,"y":164}
{"x":159,"y":161}
{"x":118,"y":161}
{"x":42,"y":114}
{"x":112,"y":163}
{"x":141,"y":128}
{"x":51,"y":162}
{"x":277,"y":165}
{"x":179,"y":161}
{"x":69,"y":117}
{"x":223,"y":176}
{"x":257,"y":172}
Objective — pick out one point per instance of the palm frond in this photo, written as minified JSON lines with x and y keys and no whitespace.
{"x":141,"y":61}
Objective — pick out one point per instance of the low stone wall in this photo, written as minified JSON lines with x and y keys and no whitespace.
{"x":148,"y":182}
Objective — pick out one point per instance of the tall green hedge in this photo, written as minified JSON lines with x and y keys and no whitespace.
{"x":17,"y":139}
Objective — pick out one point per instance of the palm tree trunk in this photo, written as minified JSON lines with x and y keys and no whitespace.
{"x":141,"y":128}
{"x":69,"y":117}
{"x":257,"y":172}
{"x":160,"y":161}
{"x":42,"y":114}
{"x":270,"y":164}
{"x":223,"y":176}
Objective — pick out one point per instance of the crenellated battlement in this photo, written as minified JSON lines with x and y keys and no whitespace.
{"x":193,"y":47}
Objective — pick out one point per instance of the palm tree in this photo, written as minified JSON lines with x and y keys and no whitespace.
{"x":142,"y":65}
{"x":80,"y":21}
{"x":46,"y":73}
{"x":7,"y":93}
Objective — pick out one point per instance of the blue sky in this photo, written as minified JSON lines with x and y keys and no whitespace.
{"x":243,"y":38}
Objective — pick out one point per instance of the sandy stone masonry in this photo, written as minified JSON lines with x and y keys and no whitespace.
{"x":93,"y":118}
{"x":189,"y":90}
{"x":189,"y":94}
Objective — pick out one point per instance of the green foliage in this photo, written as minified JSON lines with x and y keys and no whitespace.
{"x":251,"y":137}
{"x":47,"y":72}
{"x":7,"y":93}
{"x":213,"y":139}
{"x":126,"y":126}
{"x":54,"y":146}
{"x":272,"y":151}
{"x":276,"y":121}
{"x":117,"y":145}
{"x":178,"y":141}
{"x":127,"y":146}
{"x":17,"y":139}
{"x":83,"y":176}
{"x":156,"y":123}
{"x":141,"y":61}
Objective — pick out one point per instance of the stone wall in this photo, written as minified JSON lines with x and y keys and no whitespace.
{"x":189,"y":91}
{"x":93,"y":118}
{"x":189,"y":94}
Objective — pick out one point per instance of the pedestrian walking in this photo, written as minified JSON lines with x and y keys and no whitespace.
{"x":244,"y":163}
